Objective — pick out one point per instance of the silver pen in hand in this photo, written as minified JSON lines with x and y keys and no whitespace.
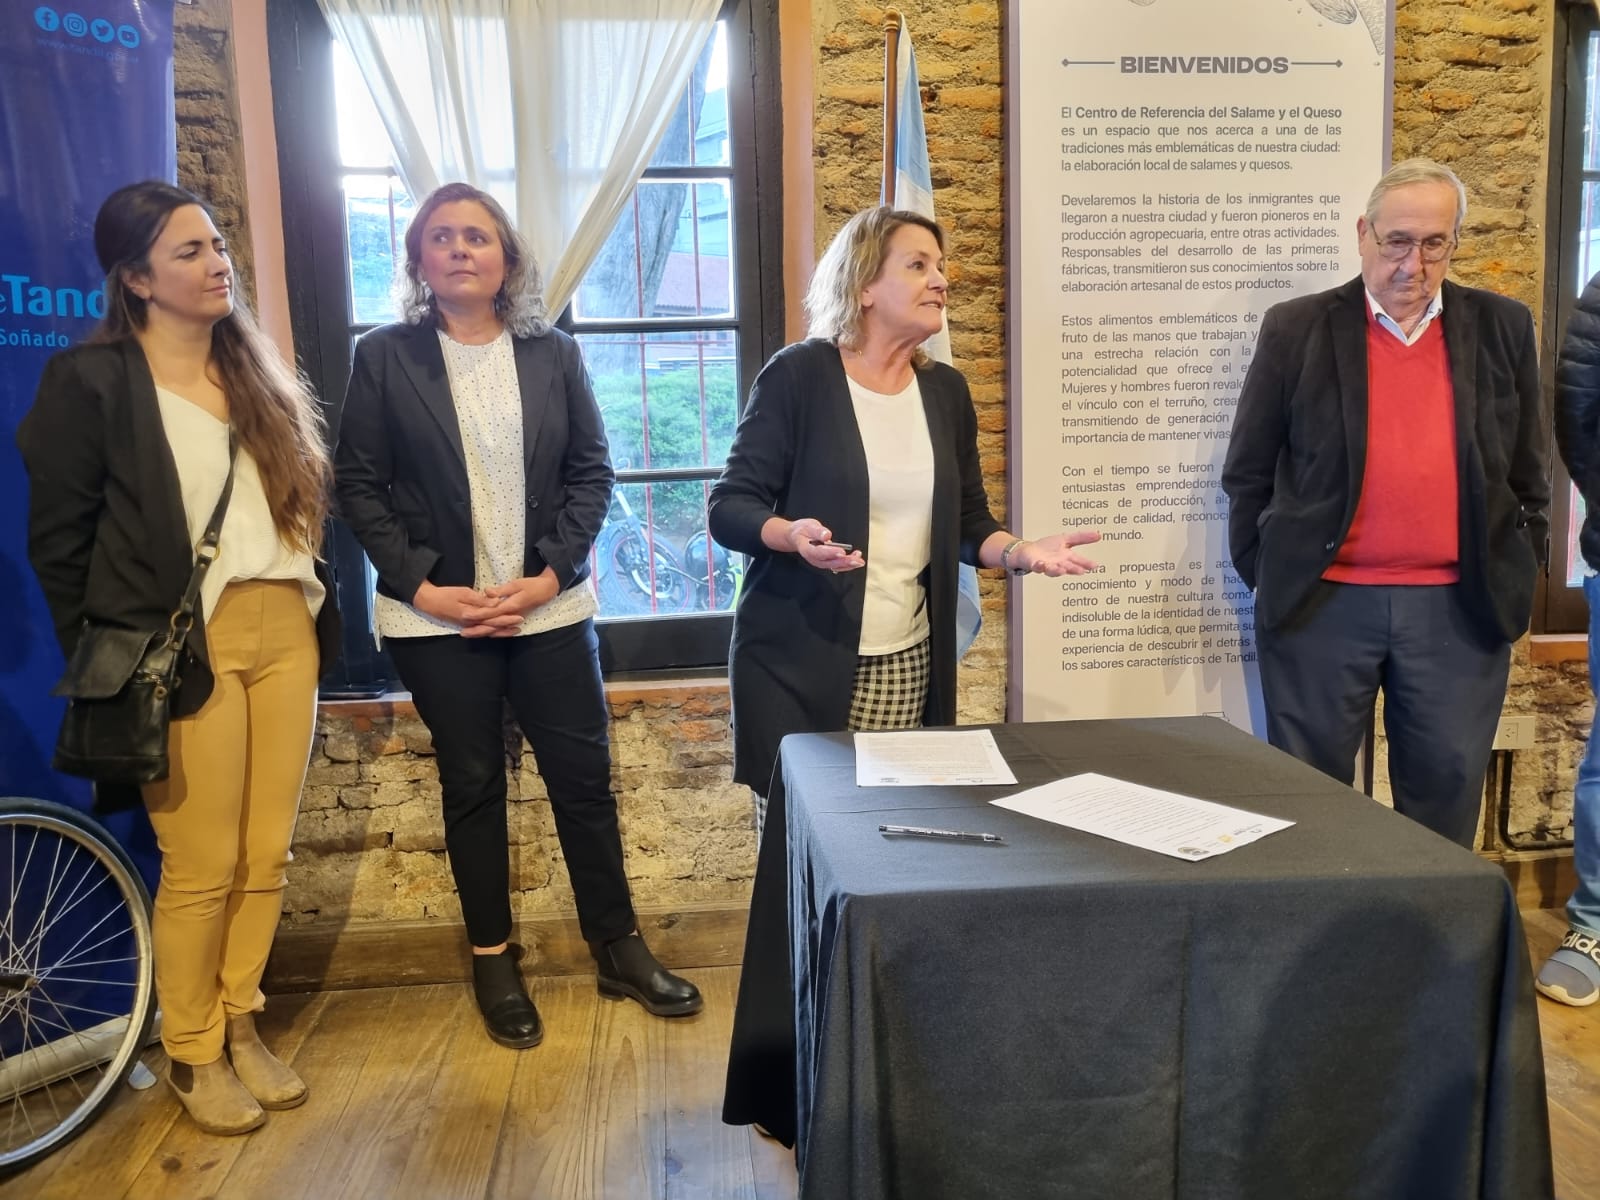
{"x":958,"y":835}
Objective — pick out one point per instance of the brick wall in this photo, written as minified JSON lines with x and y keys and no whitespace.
{"x":370,"y":843}
{"x":210,"y":162}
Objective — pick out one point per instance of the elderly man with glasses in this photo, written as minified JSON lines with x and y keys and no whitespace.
{"x":1389,"y":491}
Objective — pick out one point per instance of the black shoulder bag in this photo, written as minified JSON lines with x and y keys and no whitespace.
{"x":120,"y":681}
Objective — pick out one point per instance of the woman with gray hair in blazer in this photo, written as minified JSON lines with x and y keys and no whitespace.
{"x":472,"y":466}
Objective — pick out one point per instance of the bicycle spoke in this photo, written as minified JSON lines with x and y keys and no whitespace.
{"x":91,"y":981}
{"x":64,"y":1006}
{"x":75,"y":899}
{"x":67,"y":960}
{"x":73,"y":1078}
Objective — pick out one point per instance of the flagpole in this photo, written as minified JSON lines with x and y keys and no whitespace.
{"x":891,"y":96}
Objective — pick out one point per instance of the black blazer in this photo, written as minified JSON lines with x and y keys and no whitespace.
{"x":1297,"y":455}
{"x":402,"y":473}
{"x":107,"y":533}
{"x":797,"y":631}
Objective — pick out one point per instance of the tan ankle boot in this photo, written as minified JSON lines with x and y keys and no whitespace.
{"x":272,"y":1082}
{"x":214,"y":1098}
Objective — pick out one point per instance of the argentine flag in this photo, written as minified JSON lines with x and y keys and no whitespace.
{"x":913,"y":191}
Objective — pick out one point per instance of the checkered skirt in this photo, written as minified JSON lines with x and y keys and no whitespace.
{"x":891,"y":689}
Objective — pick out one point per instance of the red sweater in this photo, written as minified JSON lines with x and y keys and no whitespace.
{"x":1407,"y":524}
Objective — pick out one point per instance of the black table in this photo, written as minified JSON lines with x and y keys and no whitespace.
{"x":1343,"y":1009}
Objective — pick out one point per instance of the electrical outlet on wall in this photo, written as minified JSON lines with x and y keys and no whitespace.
{"x":1516,"y":731}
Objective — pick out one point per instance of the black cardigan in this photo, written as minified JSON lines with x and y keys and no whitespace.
{"x":798,"y":453}
{"x":107,"y":534}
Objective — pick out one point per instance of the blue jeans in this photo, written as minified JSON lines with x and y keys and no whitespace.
{"x":1583,"y":910}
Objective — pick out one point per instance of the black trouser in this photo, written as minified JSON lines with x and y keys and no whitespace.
{"x":1443,"y":687}
{"x":552,"y":680}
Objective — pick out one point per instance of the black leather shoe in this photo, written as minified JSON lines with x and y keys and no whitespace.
{"x":627,"y":969}
{"x":508,"y":1014}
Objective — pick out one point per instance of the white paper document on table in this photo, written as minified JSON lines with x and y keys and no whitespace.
{"x":924,"y":758}
{"x":1147,"y":817}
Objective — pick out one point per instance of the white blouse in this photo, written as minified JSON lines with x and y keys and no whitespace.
{"x":250,"y":547}
{"x":894,"y":433}
{"x":488,"y":404}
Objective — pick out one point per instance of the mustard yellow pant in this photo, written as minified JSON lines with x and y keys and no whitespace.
{"x":224,"y":817}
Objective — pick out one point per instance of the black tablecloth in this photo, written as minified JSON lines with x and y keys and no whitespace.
{"x":1343,"y":1009}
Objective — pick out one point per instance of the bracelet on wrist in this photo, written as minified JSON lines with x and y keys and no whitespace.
{"x":1005,"y":557}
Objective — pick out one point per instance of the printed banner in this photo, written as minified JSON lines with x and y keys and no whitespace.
{"x":1178,"y":166}
{"x":87,"y":97}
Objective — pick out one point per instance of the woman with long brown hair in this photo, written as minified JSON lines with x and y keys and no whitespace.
{"x":131,"y":441}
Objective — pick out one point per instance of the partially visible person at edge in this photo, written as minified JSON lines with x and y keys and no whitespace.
{"x":1388,"y":486}
{"x":853,"y":484}
{"x":1572,"y":974}
{"x":127,"y":454}
{"x":472,"y":465}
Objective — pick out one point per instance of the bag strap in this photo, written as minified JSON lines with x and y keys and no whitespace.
{"x":205,"y":553}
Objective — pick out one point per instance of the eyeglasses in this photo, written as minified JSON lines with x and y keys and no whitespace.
{"x":1397,"y":247}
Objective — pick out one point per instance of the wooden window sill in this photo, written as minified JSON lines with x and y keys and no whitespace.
{"x":627,"y":691}
{"x":1547,"y":648}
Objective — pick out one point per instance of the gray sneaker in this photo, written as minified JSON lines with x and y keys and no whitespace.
{"x":1572,"y":974}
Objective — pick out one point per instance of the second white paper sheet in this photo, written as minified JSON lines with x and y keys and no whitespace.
{"x":1168,"y":823}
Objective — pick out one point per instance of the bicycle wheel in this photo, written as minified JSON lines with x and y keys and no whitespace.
{"x":636,"y":580}
{"x":716,"y":580}
{"x":76,"y":975}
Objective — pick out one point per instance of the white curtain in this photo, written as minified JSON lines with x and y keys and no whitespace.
{"x":552,"y":106}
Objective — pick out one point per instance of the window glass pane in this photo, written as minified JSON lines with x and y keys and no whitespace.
{"x":1588,"y":237}
{"x":376,"y":213}
{"x":653,"y":556}
{"x":1591,"y":126}
{"x":363,"y":141}
{"x":667,"y":256}
{"x":698,"y":132}
{"x":1576,"y":567}
{"x":668,"y":399}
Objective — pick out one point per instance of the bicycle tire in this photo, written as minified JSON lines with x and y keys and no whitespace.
{"x":72,"y":857}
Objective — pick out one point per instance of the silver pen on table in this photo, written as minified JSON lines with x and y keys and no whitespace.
{"x":959,"y":835}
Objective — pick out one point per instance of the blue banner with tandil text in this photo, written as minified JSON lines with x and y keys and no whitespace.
{"x":86,"y":105}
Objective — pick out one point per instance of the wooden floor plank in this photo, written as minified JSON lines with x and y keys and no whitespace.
{"x":192,"y":1163}
{"x":545,"y":1149}
{"x":383,"y":1117}
{"x":284,"y":1157}
{"x":454,"y":1154}
{"x":627,"y":1102}
{"x":705,"y":1159}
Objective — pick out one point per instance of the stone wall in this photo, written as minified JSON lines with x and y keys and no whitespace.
{"x":210,"y":162}
{"x":370,"y":844}
{"x":1472,"y":80}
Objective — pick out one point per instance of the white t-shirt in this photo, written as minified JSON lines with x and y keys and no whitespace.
{"x":250,"y":547}
{"x":488,"y":403}
{"x":894,"y":433}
